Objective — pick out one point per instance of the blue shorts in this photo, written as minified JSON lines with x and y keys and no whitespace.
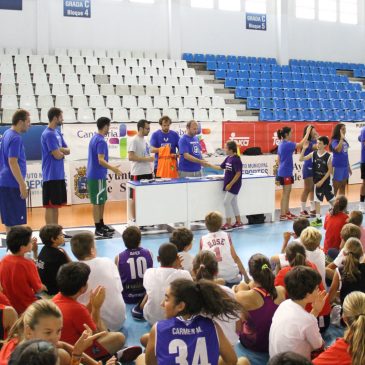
{"x":13,"y":208}
{"x":340,"y":173}
{"x":307,"y":172}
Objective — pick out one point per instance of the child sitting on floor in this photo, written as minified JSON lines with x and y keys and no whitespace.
{"x":182,"y":238}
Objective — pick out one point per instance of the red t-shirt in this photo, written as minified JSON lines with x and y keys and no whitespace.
{"x":75,"y":315}
{"x":333,"y":225}
{"x":279,"y":280}
{"x":20,"y":281}
{"x":337,"y":354}
{"x":7,"y":350}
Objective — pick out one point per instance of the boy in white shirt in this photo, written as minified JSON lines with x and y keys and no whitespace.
{"x":156,"y":281}
{"x":182,"y":238}
{"x":103,"y":272}
{"x":293,"y":328}
{"x":230,"y":267}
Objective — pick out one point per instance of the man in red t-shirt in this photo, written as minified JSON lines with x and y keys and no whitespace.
{"x":18,"y":275}
{"x":72,"y":281}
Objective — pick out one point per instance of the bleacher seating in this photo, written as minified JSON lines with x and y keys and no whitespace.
{"x":302,"y":90}
{"x":85,"y":83}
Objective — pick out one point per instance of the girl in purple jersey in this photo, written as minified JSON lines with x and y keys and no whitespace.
{"x":188,"y":336}
{"x":285,"y":165}
{"x":340,"y":160}
{"x":307,"y":174}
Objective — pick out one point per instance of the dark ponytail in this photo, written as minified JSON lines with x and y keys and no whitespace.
{"x":295,"y":254}
{"x":283,"y":132}
{"x":205,"y":265}
{"x":339,"y":205}
{"x":260,"y":270}
{"x":204,"y":297}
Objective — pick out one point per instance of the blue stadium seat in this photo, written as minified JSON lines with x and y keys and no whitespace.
{"x":356,"y":87}
{"x":333,"y":94}
{"x":210,"y":58}
{"x":254,"y":82}
{"x":233,"y":65}
{"x":323,"y":94}
{"x":323,"y":70}
{"x":337,"y":104}
{"x":253,"y":103}
{"x":326,"y":104}
{"x":289,"y":93}
{"x":222,"y":65}
{"x":220,"y":74}
{"x":298,"y":84}
{"x":285,"y":68}
{"x":255,"y":67}
{"x":230,"y":82}
{"x":266,"y":103}
{"x":231,"y":58}
{"x":241,"y":93}
{"x":242,"y":82}
{"x":296,"y":76}
{"x":331,"y":86}
{"x":359,"y":115}
{"x":295,"y":69}
{"x":314,"y":104}
{"x":266,"y":115}
{"x":231,"y":73}
{"x":324,"y":116}
{"x":313,"y":94}
{"x":266,"y":75}
{"x":276,"y":68}
{"x":199,"y":58}
{"x":306,"y":114}
{"x":303,"y":104}
{"x":251,"y":59}
{"x":244,"y":66}
{"x":300,"y":94}
{"x":242,"y":59}
{"x":243,"y":74}
{"x":327,"y":78}
{"x":211,"y":65}
{"x":266,"y":92}
{"x":331,"y":114}
{"x":314,"y":69}
{"x":265,"y":83}
{"x":293,"y":114}
{"x":316,"y":114}
{"x":287,"y":76}
{"x":340,"y":85}
{"x":360,"y":104}
{"x":307,"y":77}
{"x":343,"y":94}
{"x":279,"y":114}
{"x":188,"y":57}
{"x":254,"y":92}
{"x":265,"y":67}
{"x":255,"y":74}
{"x":288,"y":84}
{"x":320,"y":85}
{"x":275,"y":75}
{"x":350,"y":115}
{"x":279,"y":103}
{"x":349,"y":104}
{"x":221,"y":58}
{"x":291,"y":103}
{"x":362,"y":94}
{"x":305,"y":69}
{"x":340,"y":114}
{"x":277,"y":93}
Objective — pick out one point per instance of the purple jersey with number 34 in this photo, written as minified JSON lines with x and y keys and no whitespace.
{"x":132,"y":265}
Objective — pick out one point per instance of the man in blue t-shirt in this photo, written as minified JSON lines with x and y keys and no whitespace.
{"x":164,"y":137}
{"x":362,"y":189}
{"x":191,"y":160}
{"x":13,"y":169}
{"x":97,"y":167}
{"x":54,"y":150}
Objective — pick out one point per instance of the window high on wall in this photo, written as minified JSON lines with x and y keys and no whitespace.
{"x":231,"y":5}
{"x":204,"y":4}
{"x":348,"y":11}
{"x":255,"y":6}
{"x":327,"y":10}
{"x":305,"y":9}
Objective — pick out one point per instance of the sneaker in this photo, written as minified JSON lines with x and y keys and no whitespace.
{"x":128,"y":354}
{"x":291,"y":215}
{"x":108,"y":228}
{"x":304,"y":214}
{"x":237,"y":225}
{"x":316,"y":223}
{"x":313,"y":213}
{"x":137,"y":312}
{"x":226,"y":227}
{"x":103,"y":233}
{"x":284,"y":218}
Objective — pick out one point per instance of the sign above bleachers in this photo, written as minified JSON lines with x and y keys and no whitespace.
{"x":77,"y":8}
{"x":256,"y":21}
{"x":11,"y":4}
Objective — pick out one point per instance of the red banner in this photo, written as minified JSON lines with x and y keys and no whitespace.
{"x":264,"y":134}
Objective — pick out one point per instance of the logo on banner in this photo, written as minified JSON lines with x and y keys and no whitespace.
{"x":80,"y":183}
{"x":241,"y":141}
{"x":275,"y":139}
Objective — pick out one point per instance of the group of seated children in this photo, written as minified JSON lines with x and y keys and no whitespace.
{"x":199,"y":307}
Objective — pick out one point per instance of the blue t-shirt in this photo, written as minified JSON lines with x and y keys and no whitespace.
{"x":285,"y":152}
{"x":97,"y":146}
{"x":340,"y":159}
{"x":191,"y":146}
{"x":52,"y":169}
{"x":193,"y":341}
{"x":160,"y":139}
{"x":309,"y":163}
{"x":362,"y":140}
{"x":11,"y":145}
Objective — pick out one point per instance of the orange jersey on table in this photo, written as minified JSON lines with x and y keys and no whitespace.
{"x":167,"y":163}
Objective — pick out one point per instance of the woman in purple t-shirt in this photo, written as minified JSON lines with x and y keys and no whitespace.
{"x":285,"y":176}
{"x":232,"y":167}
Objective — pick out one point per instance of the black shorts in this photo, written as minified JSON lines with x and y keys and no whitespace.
{"x":289,"y":180}
{"x":54,"y":193}
{"x":362,"y":166}
{"x":325,"y":191}
{"x":137,"y":178}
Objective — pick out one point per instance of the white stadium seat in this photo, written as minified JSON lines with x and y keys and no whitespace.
{"x":79,"y":101}
{"x":85,"y":115}
{"x":136,"y":114}
{"x":63,"y":101}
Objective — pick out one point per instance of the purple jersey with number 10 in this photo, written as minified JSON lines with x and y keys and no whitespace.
{"x":193,"y":341}
{"x":132,"y":265}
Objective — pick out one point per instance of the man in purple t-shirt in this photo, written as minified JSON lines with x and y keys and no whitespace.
{"x":232,"y":182}
{"x":13,"y":168}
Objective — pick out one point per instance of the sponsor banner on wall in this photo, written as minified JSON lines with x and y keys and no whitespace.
{"x":11,"y":4}
{"x":256,"y":21}
{"x":34,"y":180}
{"x":77,"y":8}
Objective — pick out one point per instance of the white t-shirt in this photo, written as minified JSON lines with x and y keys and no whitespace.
{"x":156,"y":281}
{"x":187,"y":260}
{"x":318,"y":258}
{"x":282,"y":256}
{"x":104,"y":272}
{"x":294,"y":329}
{"x":220,"y":244}
{"x":339,"y":260}
{"x":141,"y":148}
